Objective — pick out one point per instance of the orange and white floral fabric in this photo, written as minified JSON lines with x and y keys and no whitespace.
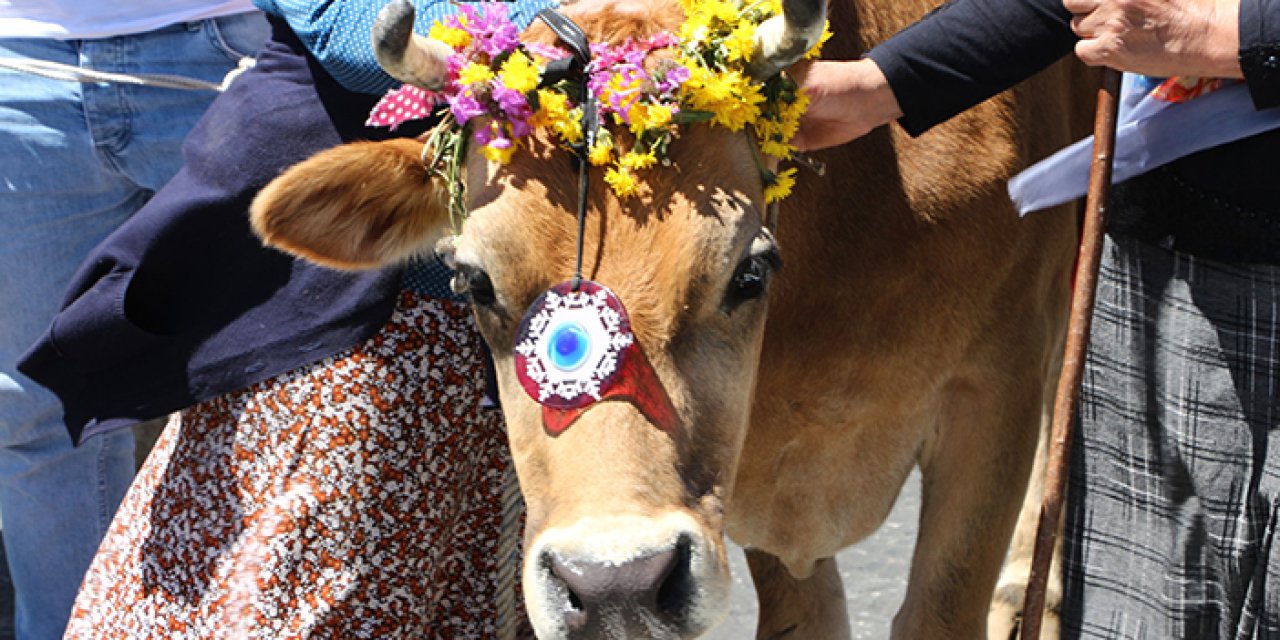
{"x":360,"y":497}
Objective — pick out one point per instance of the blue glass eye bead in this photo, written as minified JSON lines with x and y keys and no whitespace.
{"x":569,"y":346}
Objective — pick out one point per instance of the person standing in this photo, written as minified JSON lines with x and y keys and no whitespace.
{"x":332,"y":471}
{"x":77,"y":158}
{"x":1173,"y":499}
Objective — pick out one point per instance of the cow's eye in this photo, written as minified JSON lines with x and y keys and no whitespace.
{"x":750,"y":278}
{"x":474,"y":282}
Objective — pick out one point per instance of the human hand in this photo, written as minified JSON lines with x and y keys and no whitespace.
{"x":1159,"y":37}
{"x":848,"y":98}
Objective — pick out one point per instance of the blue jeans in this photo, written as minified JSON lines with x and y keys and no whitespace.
{"x":76,"y":160}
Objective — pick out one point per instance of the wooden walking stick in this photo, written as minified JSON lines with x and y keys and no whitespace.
{"x":1082,"y":296}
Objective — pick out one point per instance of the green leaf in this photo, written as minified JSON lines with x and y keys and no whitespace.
{"x":690,"y":116}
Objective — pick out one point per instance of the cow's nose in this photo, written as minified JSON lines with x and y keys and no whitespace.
{"x":655,"y":587}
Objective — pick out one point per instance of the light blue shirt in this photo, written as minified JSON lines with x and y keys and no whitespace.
{"x":1149,"y":133}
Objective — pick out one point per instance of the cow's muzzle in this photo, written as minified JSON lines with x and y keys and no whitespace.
{"x":626,"y":577}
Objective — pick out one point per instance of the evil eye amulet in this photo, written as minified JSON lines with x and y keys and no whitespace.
{"x":570,"y":344}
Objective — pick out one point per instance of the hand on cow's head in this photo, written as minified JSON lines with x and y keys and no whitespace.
{"x":357,"y":206}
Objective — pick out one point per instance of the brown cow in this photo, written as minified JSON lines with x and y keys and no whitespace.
{"x":917,"y":322}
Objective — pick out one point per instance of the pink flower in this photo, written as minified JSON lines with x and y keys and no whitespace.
{"x":492,"y":32}
{"x":515,"y":107}
{"x":670,"y":80}
{"x":465,"y":107}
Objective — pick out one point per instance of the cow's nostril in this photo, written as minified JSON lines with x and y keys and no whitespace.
{"x":653,"y":587}
{"x":638,"y":580}
{"x":676,"y":590}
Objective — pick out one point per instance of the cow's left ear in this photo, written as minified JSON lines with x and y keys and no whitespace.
{"x":357,"y":206}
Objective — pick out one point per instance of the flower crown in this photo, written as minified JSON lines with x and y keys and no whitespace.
{"x":491,"y":73}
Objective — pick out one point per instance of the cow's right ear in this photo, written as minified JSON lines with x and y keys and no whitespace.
{"x":357,"y":206}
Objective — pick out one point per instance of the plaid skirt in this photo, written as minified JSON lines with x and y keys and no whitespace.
{"x":1174,"y":495}
{"x":364,"y":496}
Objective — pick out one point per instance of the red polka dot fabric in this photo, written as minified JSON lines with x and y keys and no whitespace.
{"x":402,"y":105}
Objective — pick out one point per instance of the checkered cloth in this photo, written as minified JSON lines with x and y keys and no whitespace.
{"x":1175,"y":471}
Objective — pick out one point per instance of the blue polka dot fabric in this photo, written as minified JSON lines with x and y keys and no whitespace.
{"x":430,"y":277}
{"x":337,"y":32}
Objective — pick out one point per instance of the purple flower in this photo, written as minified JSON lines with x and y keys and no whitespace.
{"x":455,"y":64}
{"x":671,"y":80}
{"x":512,"y":102}
{"x":492,"y":135}
{"x":515,"y":107}
{"x":549,"y":52}
{"x":465,"y":107}
{"x":521,"y":128}
{"x":491,"y":30}
{"x":662,"y":40}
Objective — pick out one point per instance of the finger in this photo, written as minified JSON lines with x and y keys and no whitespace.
{"x":801,"y":141}
{"x":1092,"y":52}
{"x":1091,"y":25}
{"x":1078,"y":26}
{"x":1080,"y":7}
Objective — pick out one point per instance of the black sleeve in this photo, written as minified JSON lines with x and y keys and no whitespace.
{"x":1260,"y":50}
{"x":969,"y":50}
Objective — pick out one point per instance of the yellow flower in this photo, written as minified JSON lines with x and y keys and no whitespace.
{"x":744,"y":109}
{"x":781,"y":185}
{"x":732,"y":97}
{"x":627,"y":92}
{"x":817,"y":48}
{"x":707,"y":89}
{"x":637,"y":161}
{"x":694,"y":31}
{"x":741,"y":42}
{"x":475,"y":73}
{"x":570,"y":128}
{"x":519,"y":73}
{"x":602,"y":151}
{"x":796,"y":109}
{"x":554,"y":113}
{"x":454,"y":37}
{"x":779,"y":127}
{"x":553,"y":107}
{"x":704,"y":18}
{"x":622,"y":181}
{"x":657,"y":116}
{"x":722,"y":10}
{"x":500,"y":156}
{"x":775,"y":148}
{"x":639,"y":115}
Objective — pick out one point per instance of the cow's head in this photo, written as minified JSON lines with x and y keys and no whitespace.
{"x":625,"y":495}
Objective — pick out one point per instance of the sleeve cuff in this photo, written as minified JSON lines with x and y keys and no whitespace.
{"x":1260,"y":50}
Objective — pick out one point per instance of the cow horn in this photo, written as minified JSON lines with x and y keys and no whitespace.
{"x":407,"y":56}
{"x":786,"y":37}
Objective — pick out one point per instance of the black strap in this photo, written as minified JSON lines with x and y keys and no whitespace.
{"x":571,"y":34}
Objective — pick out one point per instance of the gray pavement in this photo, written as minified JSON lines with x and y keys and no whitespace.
{"x":874,"y":573}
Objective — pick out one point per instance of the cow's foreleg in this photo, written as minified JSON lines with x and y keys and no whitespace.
{"x":792,"y":609}
{"x":974,"y":471}
{"x":1005,"y":617}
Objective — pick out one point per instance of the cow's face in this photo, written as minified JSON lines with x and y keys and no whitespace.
{"x":625,"y":495}
{"x":625,"y":507}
